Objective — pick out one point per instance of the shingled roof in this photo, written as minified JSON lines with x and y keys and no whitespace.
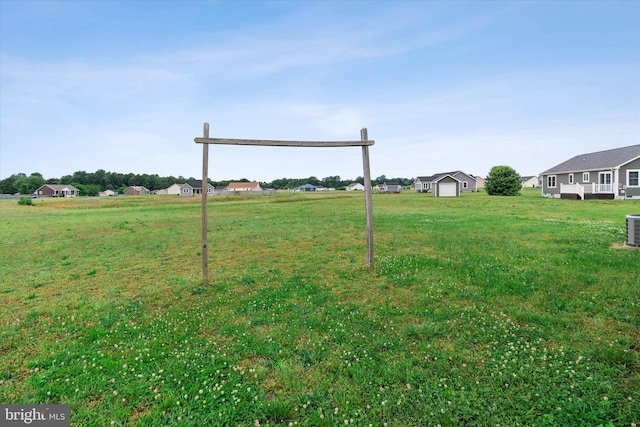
{"x":597,"y":161}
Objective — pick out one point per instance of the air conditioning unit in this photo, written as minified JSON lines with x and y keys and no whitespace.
{"x":633,"y":230}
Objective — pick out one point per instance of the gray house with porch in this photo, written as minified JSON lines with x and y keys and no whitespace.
{"x":609,"y":174}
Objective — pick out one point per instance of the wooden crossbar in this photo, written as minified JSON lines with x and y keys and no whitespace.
{"x":278,"y":143}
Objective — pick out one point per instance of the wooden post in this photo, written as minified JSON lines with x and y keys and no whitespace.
{"x":367,"y":196}
{"x":205,"y":187}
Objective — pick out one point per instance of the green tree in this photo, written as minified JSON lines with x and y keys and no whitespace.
{"x":503,"y":181}
{"x":27,"y":185}
{"x":35,"y":181}
{"x":87,"y":189}
{"x":8,"y":185}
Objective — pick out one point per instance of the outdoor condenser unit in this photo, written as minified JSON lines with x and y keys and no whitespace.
{"x":633,"y":230}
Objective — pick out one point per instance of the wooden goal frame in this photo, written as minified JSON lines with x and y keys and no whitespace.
{"x":364,"y":142}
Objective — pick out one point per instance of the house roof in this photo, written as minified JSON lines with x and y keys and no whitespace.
{"x":196,"y":183}
{"x":439,"y":176}
{"x":60,"y":187}
{"x":597,"y":161}
{"x":233,"y":185}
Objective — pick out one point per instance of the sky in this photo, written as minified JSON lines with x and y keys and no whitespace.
{"x":126,"y":86}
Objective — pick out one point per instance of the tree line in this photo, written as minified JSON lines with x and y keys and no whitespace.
{"x":91,"y":183}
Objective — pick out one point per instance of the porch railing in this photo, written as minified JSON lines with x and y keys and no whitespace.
{"x":601,"y":188}
{"x":572,"y":189}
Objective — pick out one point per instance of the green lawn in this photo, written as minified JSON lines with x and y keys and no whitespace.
{"x":480,"y":311}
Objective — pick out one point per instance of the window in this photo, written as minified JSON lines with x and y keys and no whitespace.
{"x":551,"y":181}
{"x":465,"y":184}
{"x":585,"y":176}
{"x":570,"y":178}
{"x":633,"y":178}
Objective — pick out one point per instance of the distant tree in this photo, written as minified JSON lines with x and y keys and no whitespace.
{"x":28,"y":184}
{"x":35,"y":181}
{"x":22,"y":186}
{"x":87,"y":189}
{"x":332,"y":182}
{"x":503,"y":181}
{"x":8,"y":185}
{"x":379,"y":180}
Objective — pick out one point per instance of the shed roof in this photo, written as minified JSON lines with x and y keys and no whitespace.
{"x":441,"y":177}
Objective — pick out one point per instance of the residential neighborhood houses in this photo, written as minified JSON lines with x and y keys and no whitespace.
{"x":607,"y":174}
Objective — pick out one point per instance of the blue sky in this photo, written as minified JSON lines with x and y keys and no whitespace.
{"x":125,"y":86}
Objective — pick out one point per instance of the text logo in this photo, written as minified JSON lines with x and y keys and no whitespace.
{"x":34,"y":415}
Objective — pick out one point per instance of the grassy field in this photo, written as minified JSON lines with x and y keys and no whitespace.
{"x":480,"y":311}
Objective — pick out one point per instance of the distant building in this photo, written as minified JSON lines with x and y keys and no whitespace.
{"x":355,"y":186}
{"x":136,"y":190}
{"x":468,"y":183}
{"x":107,"y":193}
{"x":391,"y":187}
{"x":307,"y":187}
{"x":243,"y":186}
{"x":57,"y":190}
{"x":529,"y":181}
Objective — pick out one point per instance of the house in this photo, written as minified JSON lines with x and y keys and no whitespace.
{"x":529,"y":181}
{"x":175,"y":189}
{"x":136,"y":190}
{"x":446,"y":186}
{"x":307,"y":187}
{"x":608,"y":174}
{"x":468,"y":183}
{"x":422,"y":184}
{"x":355,"y":186}
{"x":243,"y":186}
{"x":480,"y":182}
{"x":391,"y":187}
{"x":107,"y":193}
{"x":194,"y":188}
{"x":57,"y":190}
{"x":191,"y":188}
